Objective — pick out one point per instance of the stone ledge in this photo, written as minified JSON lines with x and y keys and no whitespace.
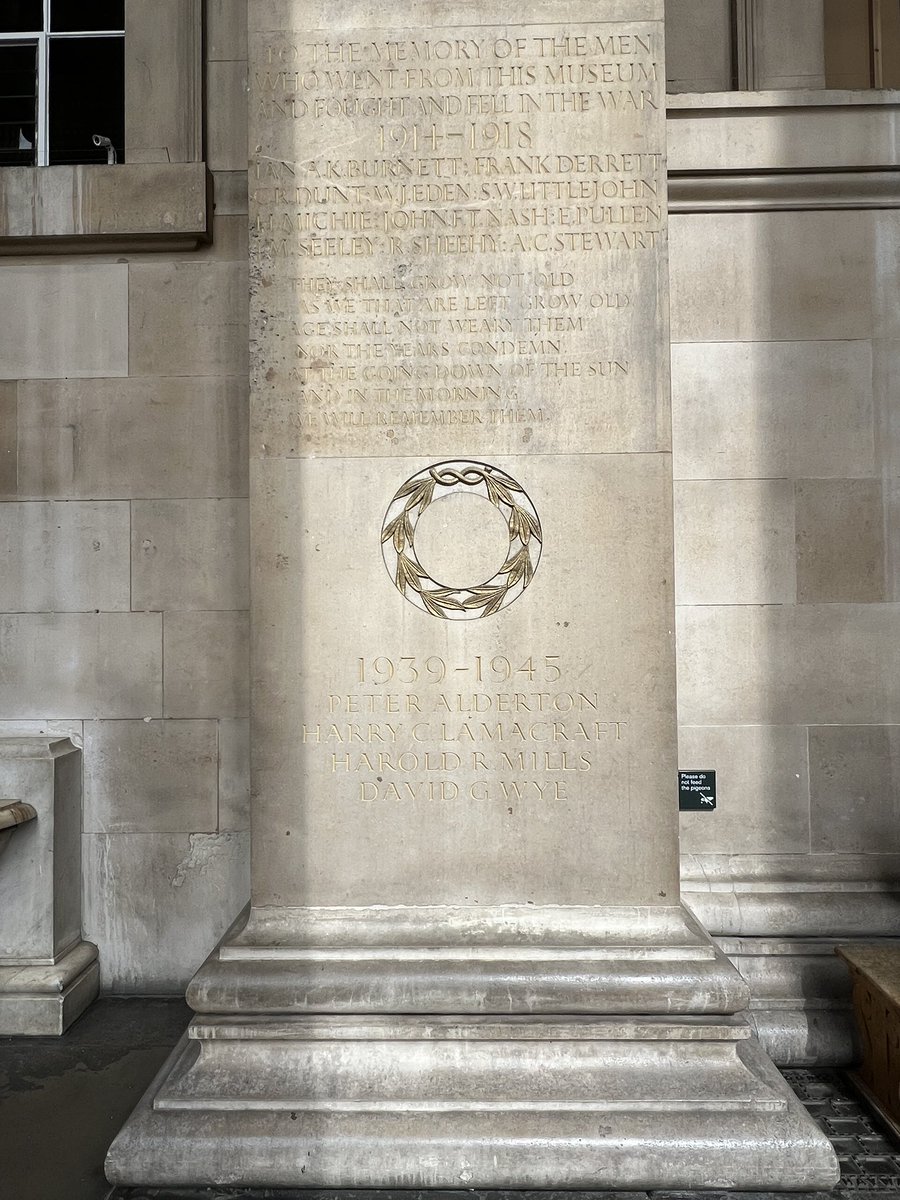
{"x":82,"y":209}
{"x":824,"y":135}
{"x":714,"y":102}
{"x":782,"y":191}
{"x":745,"y":908}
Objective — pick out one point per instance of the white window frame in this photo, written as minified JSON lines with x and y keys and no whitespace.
{"x":42,"y":38}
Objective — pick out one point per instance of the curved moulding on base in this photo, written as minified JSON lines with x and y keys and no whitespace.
{"x":448,"y":1102}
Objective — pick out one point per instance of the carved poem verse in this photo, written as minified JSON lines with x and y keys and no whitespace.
{"x":461,"y":216}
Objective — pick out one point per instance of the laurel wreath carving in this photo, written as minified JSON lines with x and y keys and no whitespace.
{"x":517,"y":571}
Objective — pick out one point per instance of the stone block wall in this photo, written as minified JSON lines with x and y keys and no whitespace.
{"x":785,"y":330}
{"x":123,"y":539}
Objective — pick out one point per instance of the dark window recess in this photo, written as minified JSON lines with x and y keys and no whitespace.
{"x":18,"y":105}
{"x":93,"y":15}
{"x":22,"y":16}
{"x":87,"y":96}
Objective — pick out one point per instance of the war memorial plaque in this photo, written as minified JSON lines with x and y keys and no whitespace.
{"x":461,"y":405}
{"x":466,"y":962}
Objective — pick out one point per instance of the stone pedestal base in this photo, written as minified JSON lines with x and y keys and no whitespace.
{"x":800,"y":999}
{"x":43,"y":1001}
{"x":48,"y":975}
{"x":516,"y":1102}
{"x":325,"y":1053}
{"x":800,"y":996}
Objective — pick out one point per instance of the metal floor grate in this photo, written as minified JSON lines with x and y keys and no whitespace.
{"x":870,"y":1158}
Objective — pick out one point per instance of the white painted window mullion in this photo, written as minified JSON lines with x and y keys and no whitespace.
{"x":43,"y":101}
{"x":43,"y":91}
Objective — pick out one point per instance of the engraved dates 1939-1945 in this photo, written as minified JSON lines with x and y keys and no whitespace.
{"x":434,"y":669}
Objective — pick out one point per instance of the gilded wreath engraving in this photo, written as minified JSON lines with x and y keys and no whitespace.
{"x":484,"y":598}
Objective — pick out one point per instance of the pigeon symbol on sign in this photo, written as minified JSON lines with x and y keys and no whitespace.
{"x":704,"y":799}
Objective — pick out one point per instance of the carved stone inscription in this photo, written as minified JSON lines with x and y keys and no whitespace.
{"x":461,"y":218}
{"x":461,"y":496}
{"x":424,"y":729}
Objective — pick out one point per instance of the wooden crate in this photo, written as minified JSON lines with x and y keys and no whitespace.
{"x":875,"y":972}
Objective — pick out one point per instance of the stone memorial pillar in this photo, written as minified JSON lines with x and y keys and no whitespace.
{"x":466,"y":962}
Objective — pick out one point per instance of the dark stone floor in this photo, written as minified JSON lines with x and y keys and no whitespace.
{"x":62,"y":1100}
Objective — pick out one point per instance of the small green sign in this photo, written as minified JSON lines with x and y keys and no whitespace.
{"x":696,"y":791}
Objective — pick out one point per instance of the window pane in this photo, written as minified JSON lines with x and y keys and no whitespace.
{"x":69,"y":15}
{"x":21,"y":16}
{"x":87,"y":96}
{"x":18,"y":108}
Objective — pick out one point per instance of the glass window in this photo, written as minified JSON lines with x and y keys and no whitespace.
{"x":18,"y":104}
{"x":86,"y":15}
{"x":21,"y":16}
{"x":62,"y":81}
{"x":93,"y":69}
